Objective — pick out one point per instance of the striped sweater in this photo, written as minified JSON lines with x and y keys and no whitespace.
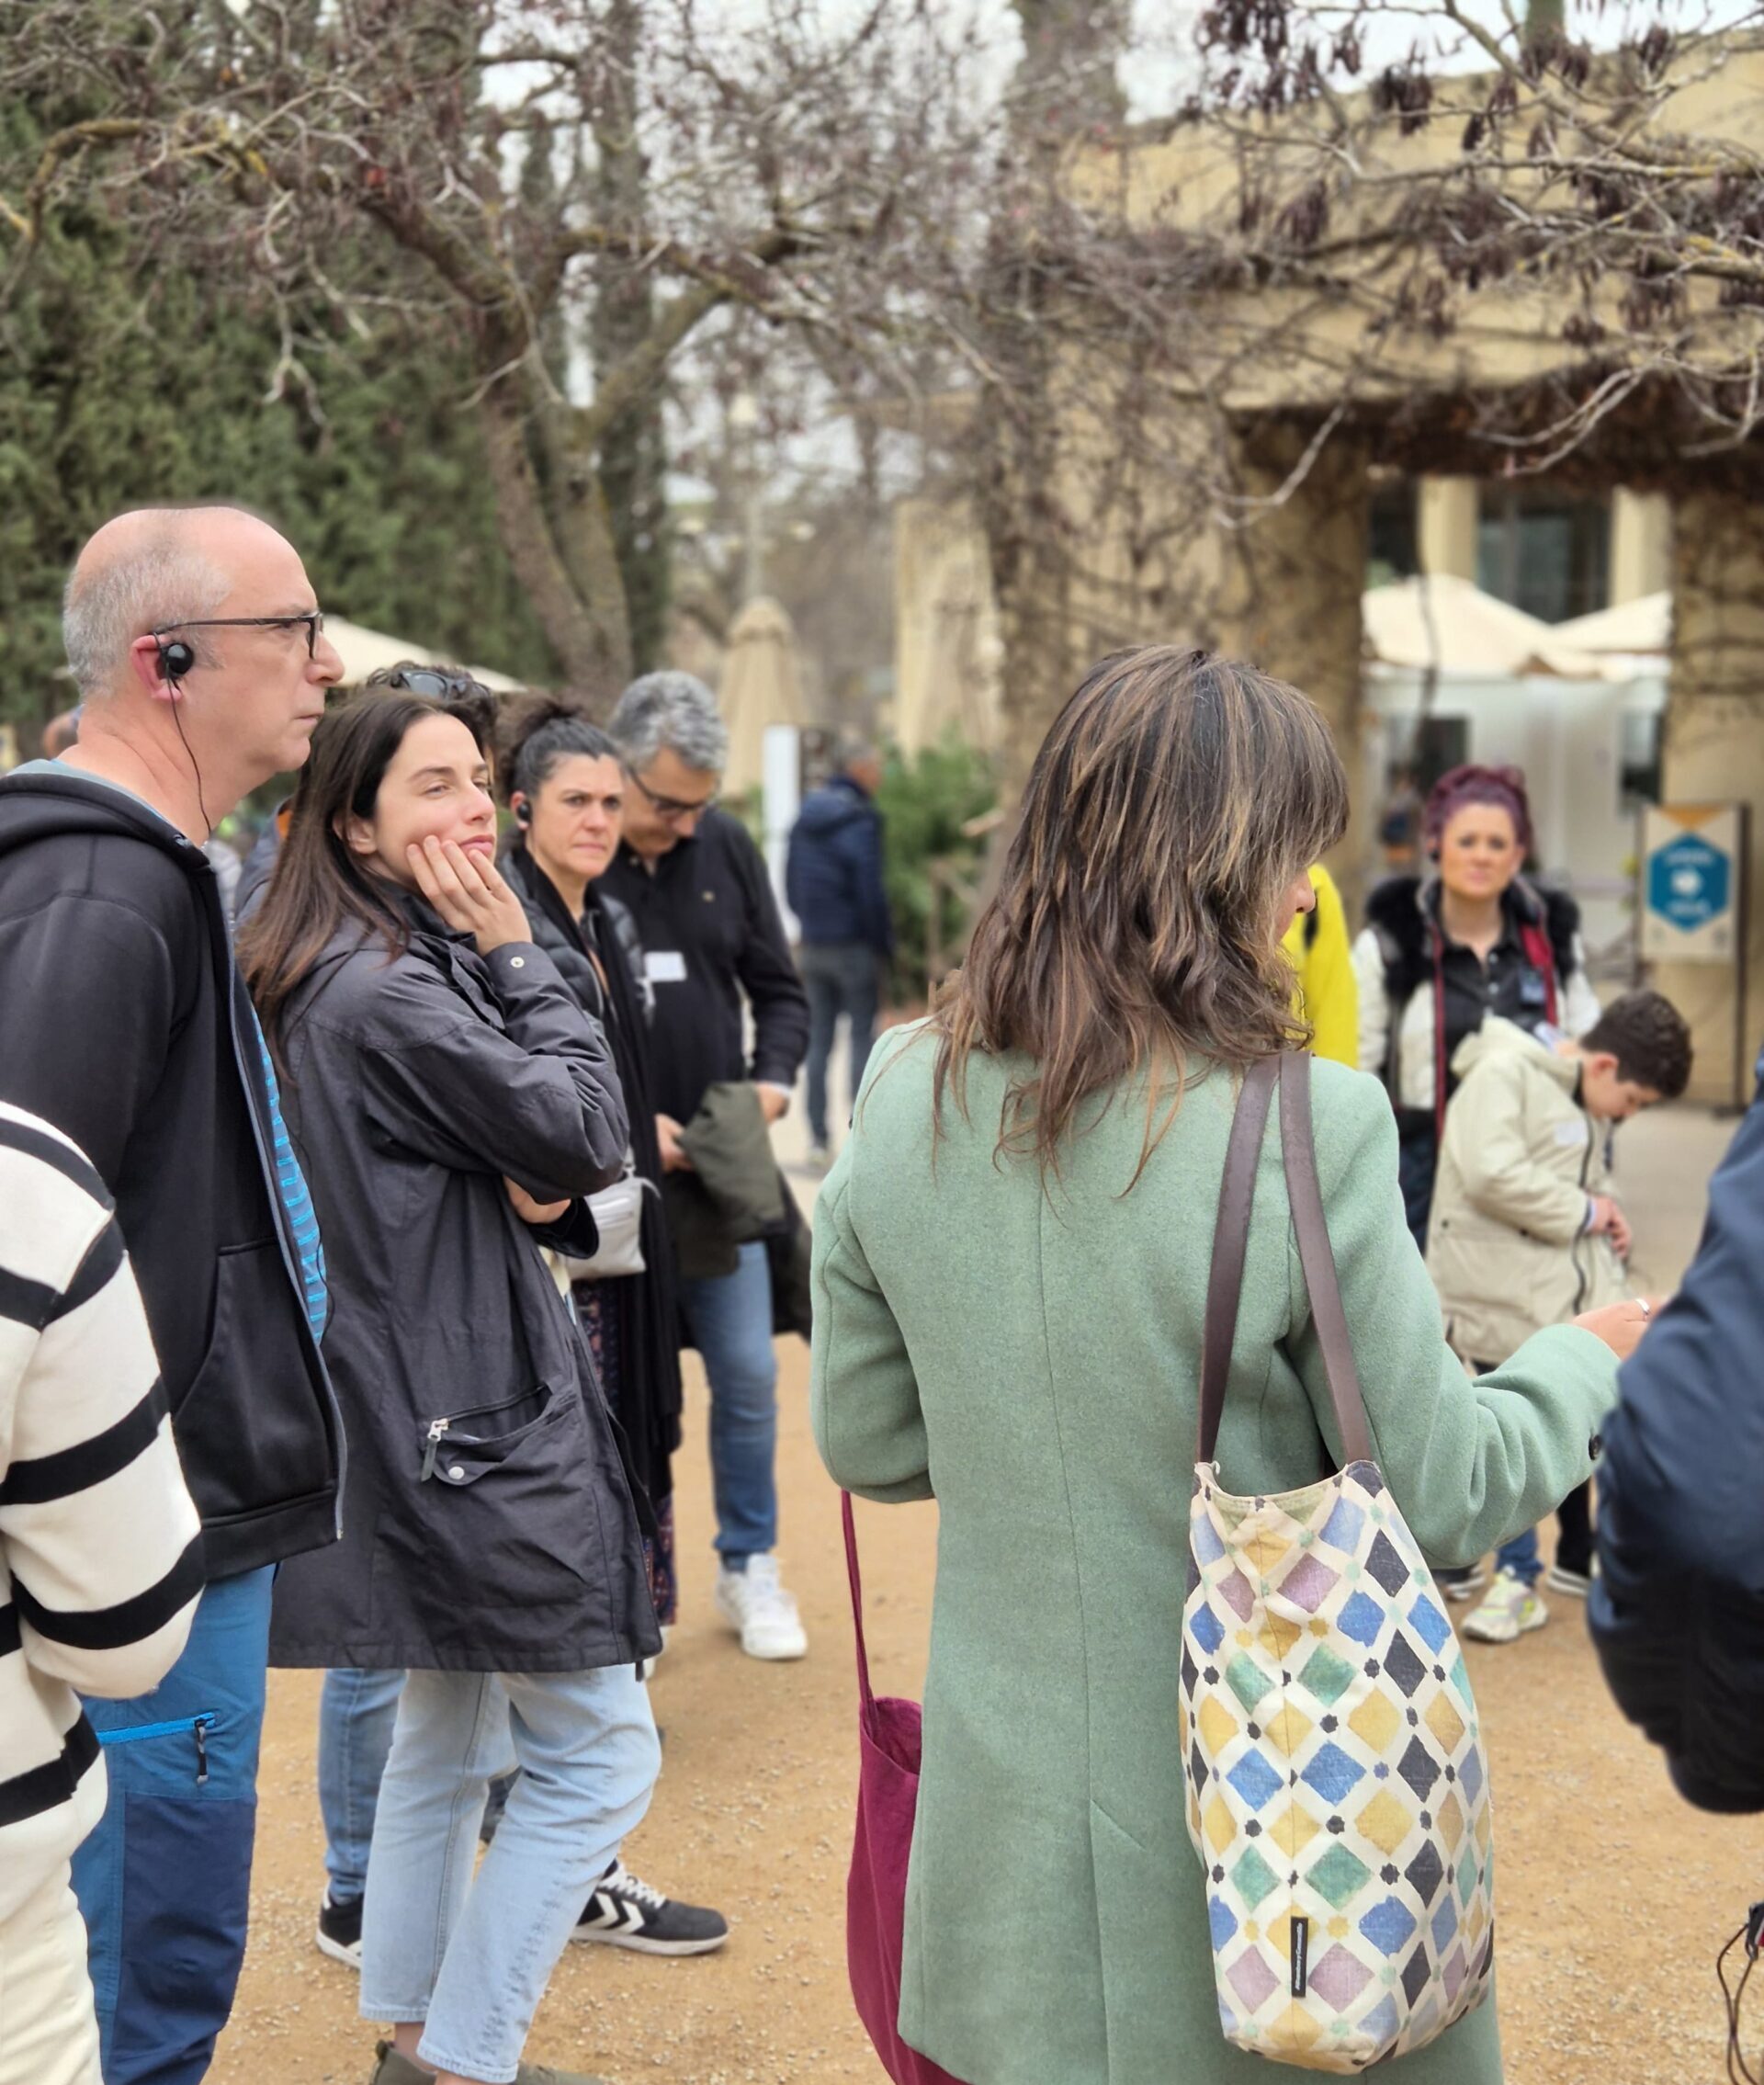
{"x":100,"y":1549}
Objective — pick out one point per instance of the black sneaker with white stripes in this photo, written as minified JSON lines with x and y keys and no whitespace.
{"x":624,"y":1913}
{"x":339,"y":1933}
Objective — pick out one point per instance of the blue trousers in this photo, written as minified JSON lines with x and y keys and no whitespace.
{"x":840,"y":977}
{"x":164,"y":1882}
{"x":357,"y":1713}
{"x":731,"y":1317}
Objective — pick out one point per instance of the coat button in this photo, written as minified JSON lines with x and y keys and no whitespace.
{"x":517,"y":962}
{"x":455,"y":1470}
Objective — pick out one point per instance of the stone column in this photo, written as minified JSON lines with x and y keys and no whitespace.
{"x":1447,"y":511}
{"x":1640,"y":546}
{"x":1715,"y":742}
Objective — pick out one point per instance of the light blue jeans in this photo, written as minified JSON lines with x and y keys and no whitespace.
{"x":470,"y":1956}
{"x":731,"y":1317}
{"x":357,"y":1712}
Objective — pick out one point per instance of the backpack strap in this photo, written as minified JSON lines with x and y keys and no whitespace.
{"x":1230,"y":1242}
{"x":1317,"y":1257}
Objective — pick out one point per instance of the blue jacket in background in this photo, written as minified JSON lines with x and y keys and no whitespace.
{"x":1678,"y":1609}
{"x":833,"y":875}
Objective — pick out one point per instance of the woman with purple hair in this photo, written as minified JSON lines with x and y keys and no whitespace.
{"x":1467,"y":938}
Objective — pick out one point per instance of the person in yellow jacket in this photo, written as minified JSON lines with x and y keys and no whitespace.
{"x":1322,"y":956}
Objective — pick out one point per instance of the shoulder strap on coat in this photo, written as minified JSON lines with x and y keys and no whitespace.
{"x":1230,"y":1243}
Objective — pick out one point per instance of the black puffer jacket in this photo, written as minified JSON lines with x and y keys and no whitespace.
{"x":489,"y":1523}
{"x":1678,"y":1608}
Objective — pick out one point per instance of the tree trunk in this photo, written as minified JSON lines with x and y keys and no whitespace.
{"x":1290,"y":602}
{"x":633,"y":454}
{"x":586,"y":629}
{"x":1714,"y":749}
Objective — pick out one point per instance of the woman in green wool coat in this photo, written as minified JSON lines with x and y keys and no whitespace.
{"x":1011,"y":1263}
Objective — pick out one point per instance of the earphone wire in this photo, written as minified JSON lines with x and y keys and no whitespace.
{"x":178,"y":719}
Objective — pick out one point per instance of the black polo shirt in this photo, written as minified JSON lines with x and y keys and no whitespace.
{"x":711,"y":935}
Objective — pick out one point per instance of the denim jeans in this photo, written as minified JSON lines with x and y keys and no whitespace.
{"x":1573,"y":1541}
{"x":470,"y":1955}
{"x":731,"y":1317}
{"x":164,"y":1880}
{"x":840,"y":977}
{"x":357,"y":1712}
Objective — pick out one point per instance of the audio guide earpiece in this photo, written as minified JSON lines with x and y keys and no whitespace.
{"x":523,"y":814}
{"x":175,"y":659}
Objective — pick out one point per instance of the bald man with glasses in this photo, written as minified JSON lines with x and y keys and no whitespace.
{"x":198,"y":645}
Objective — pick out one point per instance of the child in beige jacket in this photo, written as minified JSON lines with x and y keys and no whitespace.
{"x":1525,"y":1229}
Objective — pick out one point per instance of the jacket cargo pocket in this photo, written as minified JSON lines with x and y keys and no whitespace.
{"x":503,"y":1514}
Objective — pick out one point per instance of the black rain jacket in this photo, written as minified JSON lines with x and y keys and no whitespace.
{"x":489,"y":1522}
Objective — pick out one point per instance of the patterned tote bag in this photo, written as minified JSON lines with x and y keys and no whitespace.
{"x":1338,"y":1790}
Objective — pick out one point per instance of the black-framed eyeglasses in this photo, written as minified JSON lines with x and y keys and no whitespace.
{"x":312,"y":621}
{"x":670,"y":807}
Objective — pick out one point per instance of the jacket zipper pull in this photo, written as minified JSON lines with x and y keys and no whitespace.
{"x":438,"y":1433}
{"x":200,"y":1726}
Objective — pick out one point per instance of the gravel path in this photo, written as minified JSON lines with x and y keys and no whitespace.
{"x":1615,"y":1896}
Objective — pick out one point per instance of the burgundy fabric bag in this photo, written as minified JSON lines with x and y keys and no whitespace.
{"x":876,"y":1894}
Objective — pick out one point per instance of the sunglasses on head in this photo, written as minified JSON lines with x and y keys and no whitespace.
{"x":433,"y":682}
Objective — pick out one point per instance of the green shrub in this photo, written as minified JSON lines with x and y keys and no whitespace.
{"x":927,"y":800}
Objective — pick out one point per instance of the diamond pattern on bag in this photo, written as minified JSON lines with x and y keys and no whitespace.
{"x":1336,"y":1776}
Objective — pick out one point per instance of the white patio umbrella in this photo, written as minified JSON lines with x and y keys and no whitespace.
{"x":364,"y":651}
{"x":1436,"y":620}
{"x":762,"y":684}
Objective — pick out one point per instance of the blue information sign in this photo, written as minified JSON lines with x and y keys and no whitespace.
{"x":1690,"y":882}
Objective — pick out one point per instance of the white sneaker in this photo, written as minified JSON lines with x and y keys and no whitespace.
{"x":1511,"y":1609}
{"x":755,"y":1604}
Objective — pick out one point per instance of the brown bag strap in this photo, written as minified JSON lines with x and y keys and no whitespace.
{"x":1317,"y":1256}
{"x":1230,"y":1242}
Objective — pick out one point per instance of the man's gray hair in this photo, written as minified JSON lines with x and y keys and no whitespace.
{"x":122,"y":598}
{"x":673,"y":710}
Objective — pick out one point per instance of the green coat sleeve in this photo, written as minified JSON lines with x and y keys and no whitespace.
{"x":863,"y":1397}
{"x":1470,"y":1464}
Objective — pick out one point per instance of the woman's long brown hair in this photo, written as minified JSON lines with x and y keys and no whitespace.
{"x":318,"y":884}
{"x":1173,"y":804}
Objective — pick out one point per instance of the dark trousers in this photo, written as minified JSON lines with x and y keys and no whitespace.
{"x":840,"y":977}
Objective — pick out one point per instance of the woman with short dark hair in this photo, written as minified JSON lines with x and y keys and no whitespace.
{"x":1012,"y":1263}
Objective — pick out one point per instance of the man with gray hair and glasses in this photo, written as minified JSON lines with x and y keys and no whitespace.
{"x":198,"y":650}
{"x":696,"y":885}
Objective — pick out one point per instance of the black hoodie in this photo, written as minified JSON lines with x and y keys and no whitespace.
{"x":123,"y":1021}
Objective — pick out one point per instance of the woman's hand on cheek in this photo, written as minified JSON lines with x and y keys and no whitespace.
{"x":470,"y":895}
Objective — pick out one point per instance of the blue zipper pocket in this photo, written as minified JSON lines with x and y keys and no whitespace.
{"x":196,"y":1726}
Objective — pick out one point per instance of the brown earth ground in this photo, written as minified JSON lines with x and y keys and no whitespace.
{"x":1615,"y":1896}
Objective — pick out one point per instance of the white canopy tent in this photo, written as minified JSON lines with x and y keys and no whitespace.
{"x":1640,"y":628}
{"x":1439,"y":622}
{"x":364,"y":651}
